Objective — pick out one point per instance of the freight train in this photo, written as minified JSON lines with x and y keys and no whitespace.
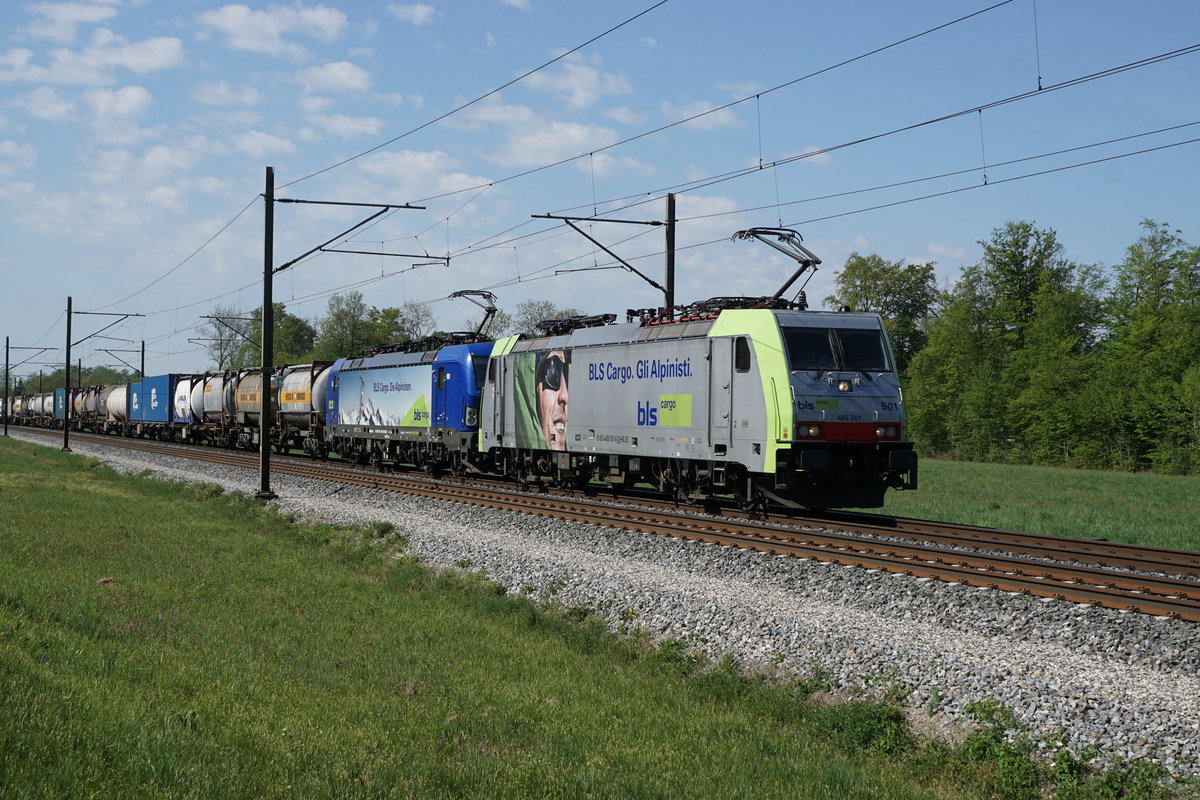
{"x":758,"y":399}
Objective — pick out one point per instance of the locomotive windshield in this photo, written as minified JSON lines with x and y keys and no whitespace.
{"x":835,"y":348}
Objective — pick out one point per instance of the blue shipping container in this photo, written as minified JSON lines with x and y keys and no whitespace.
{"x":150,"y":400}
{"x":134,"y":407}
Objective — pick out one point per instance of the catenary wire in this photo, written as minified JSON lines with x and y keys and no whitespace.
{"x":716,"y":109}
{"x":487,"y":185}
{"x":478,"y":99}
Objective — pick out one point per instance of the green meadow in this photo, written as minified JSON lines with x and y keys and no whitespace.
{"x":163,"y":640}
{"x":1141,"y":508}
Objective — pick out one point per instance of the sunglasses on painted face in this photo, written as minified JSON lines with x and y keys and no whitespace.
{"x":551,"y":372}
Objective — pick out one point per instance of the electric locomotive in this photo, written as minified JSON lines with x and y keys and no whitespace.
{"x":769,"y":405}
{"x":755,"y":397}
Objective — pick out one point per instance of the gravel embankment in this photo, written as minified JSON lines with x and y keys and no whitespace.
{"x":1126,"y":683}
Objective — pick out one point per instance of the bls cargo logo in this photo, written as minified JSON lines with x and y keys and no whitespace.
{"x":671,"y":410}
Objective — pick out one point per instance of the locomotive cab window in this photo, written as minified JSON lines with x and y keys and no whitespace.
{"x":863,"y":351}
{"x":480,"y":365}
{"x":810,"y":349}
{"x":441,"y":378}
{"x":741,"y":354}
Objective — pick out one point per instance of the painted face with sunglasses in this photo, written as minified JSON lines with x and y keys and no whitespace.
{"x":551,"y":388}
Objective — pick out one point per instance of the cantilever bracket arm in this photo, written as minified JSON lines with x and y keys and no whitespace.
{"x":113,"y":353}
{"x":596,"y":242}
{"x":322,"y":245}
{"x":444,"y":260}
{"x":235,"y":330}
{"x":123,"y":317}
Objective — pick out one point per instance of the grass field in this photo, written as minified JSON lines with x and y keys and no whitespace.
{"x":1153,"y":510}
{"x":159,"y":640}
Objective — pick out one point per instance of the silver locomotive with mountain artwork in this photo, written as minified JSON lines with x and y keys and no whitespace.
{"x":779,"y":405}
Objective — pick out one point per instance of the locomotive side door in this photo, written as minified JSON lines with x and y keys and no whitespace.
{"x":496,"y":373}
{"x":439,"y":398}
{"x":720,"y":391}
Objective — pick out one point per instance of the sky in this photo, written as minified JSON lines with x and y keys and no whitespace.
{"x":135,"y":136}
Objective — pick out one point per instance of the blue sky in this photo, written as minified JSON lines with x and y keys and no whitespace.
{"x":133,"y":132}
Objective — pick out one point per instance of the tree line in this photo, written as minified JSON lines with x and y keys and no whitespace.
{"x":1033,"y":358}
{"x":1028,"y":358}
{"x":350,"y":327}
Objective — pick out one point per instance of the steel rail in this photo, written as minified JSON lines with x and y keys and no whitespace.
{"x":1148,"y":594}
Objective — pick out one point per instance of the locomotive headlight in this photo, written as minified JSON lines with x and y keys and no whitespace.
{"x":845,"y":386}
{"x":885,"y":431}
{"x":808,"y":431}
{"x":472,"y":416}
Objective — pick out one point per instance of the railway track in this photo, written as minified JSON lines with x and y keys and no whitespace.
{"x":1131,"y":578}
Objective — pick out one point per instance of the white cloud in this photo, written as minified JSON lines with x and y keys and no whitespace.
{"x":169,"y":197}
{"x":45,"y":103}
{"x":532,"y":138}
{"x":650,"y":42}
{"x":15,"y":156}
{"x":120,"y":168}
{"x":129,"y":102}
{"x":740,"y":90}
{"x":493,"y":111}
{"x":150,"y":55}
{"x":551,"y":141}
{"x":417,"y":13}
{"x":398,"y":99}
{"x":820,"y":159}
{"x":60,"y":22}
{"x":725,"y":118}
{"x":347,"y":127}
{"x":521,"y":4}
{"x":220,"y":93}
{"x":264,"y":31}
{"x":315,"y":103}
{"x":115,"y":113}
{"x":95,"y":64}
{"x":419,"y":172}
{"x":624,"y":115}
{"x":257,"y":144}
{"x":336,"y":76}
{"x":579,"y":85}
{"x":948,"y":252}
{"x":602,"y":165}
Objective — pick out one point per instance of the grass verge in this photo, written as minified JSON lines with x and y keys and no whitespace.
{"x":1141,"y":508}
{"x":162,"y":640}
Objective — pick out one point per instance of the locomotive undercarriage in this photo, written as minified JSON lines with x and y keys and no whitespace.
{"x":687,"y":480}
{"x":440,"y":451}
{"x":848,"y":475}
